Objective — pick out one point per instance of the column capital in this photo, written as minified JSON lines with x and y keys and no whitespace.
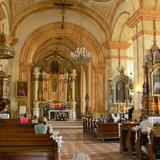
{"x":44,"y":75}
{"x":73,"y":74}
{"x":36,"y":73}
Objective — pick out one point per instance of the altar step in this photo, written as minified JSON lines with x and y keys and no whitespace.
{"x":66,"y":124}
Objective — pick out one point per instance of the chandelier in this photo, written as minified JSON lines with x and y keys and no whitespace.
{"x":81,"y":55}
{"x":6,"y":51}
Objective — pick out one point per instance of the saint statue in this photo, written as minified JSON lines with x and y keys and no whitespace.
{"x":145,"y":87}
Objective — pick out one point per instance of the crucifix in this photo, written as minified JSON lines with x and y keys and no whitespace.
{"x":63,"y":6}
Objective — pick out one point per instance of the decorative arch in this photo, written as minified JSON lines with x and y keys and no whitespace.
{"x":119,"y":20}
{"x":42,"y":34}
{"x":78,"y":7}
{"x":4,"y":15}
{"x":31,"y":46}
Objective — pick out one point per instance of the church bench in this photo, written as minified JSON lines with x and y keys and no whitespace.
{"x":107,"y":131}
{"x":18,"y":131}
{"x":153,"y":147}
{"x":126,"y":137}
{"x":93,"y":127}
{"x":130,"y":142}
{"x":29,"y":148}
{"x":19,"y":142}
{"x":84,"y":124}
{"x":29,"y":153}
{"x":88,"y":125}
{"x":24,"y":137}
{"x":142,"y":140}
{"x":12,"y":122}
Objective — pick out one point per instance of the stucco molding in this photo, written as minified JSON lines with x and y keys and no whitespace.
{"x":117,"y":45}
{"x":144,"y":32}
{"x":143,"y":14}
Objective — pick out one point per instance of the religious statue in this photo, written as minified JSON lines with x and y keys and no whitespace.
{"x":110,"y":99}
{"x":145,"y":87}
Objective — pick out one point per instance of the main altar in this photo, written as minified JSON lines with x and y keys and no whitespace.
{"x":57,"y":110}
{"x":54,"y":92}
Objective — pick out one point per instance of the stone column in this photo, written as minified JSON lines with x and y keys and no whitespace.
{"x":65,"y":80}
{"x":73,"y":77}
{"x":36,"y":75}
{"x":61,"y":87}
{"x":44,"y":85}
{"x":82,"y":92}
{"x":89,"y":87}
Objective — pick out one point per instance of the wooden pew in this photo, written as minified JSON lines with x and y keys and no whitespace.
{"x":127,"y":137}
{"x":93,"y":127}
{"x":18,"y":142}
{"x":142,"y":140}
{"x":84,"y":124}
{"x":28,"y":153}
{"x":130,"y":142}
{"x":107,"y":131}
{"x":153,"y":147}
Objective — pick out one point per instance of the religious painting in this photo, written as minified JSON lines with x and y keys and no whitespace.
{"x":156,"y":82}
{"x":120,"y":91}
{"x":21,"y":88}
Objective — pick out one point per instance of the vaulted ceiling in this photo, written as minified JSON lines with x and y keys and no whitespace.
{"x":38,"y":26}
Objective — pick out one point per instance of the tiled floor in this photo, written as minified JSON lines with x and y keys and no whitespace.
{"x":75,"y":141}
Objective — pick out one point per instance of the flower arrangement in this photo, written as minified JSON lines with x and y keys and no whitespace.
{"x":136,"y":128}
{"x":55,"y":136}
{"x":61,"y":116}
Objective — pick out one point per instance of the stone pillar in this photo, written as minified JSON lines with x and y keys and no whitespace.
{"x":65,"y":80}
{"x":36,"y":75}
{"x":99,"y":78}
{"x":73,"y":77}
{"x":89,"y":87}
{"x":82,"y":96}
{"x":61,"y":87}
{"x":44,"y":85}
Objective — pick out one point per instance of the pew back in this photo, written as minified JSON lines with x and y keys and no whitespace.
{"x":19,"y":142}
{"x":107,"y":131}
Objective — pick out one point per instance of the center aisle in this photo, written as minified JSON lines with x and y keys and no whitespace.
{"x":75,"y":141}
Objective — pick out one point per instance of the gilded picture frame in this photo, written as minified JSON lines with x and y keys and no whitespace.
{"x":21,"y":88}
{"x":155,"y":77}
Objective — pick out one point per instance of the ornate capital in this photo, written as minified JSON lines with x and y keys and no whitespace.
{"x":36,"y":73}
{"x":73,"y":74}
